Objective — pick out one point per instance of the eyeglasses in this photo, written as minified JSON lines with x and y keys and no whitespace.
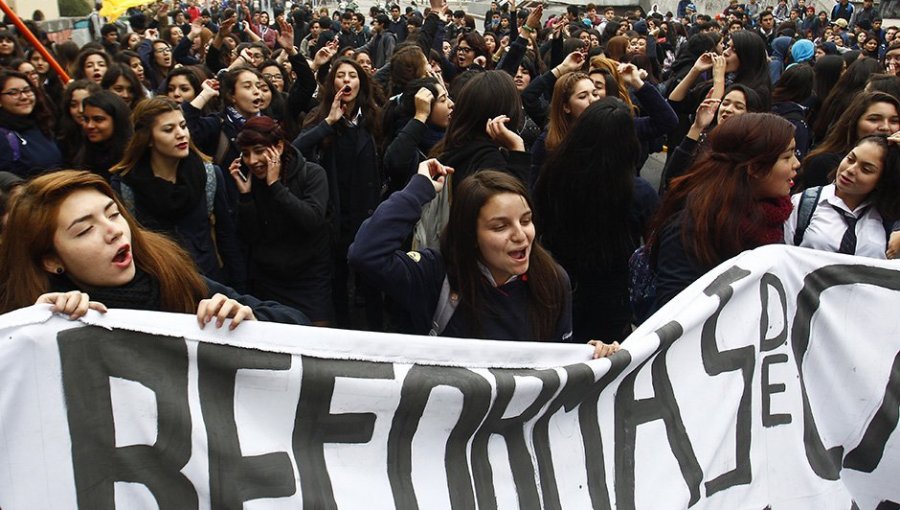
{"x":26,"y":91}
{"x":163,"y":51}
{"x":272,"y":77}
{"x":464,"y":49}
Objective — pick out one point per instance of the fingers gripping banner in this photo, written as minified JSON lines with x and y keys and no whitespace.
{"x":773,"y":382}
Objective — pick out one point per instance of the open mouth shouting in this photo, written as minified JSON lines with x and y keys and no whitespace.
{"x":122,"y":259}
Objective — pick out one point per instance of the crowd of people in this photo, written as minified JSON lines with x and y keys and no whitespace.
{"x":426,"y":172}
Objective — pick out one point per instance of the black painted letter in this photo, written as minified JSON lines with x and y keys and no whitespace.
{"x":90,"y":356}
{"x":233,"y":478}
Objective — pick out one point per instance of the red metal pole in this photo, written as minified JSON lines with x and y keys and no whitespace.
{"x":35,"y":42}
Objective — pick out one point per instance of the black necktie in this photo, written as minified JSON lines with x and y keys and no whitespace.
{"x":848,"y":242}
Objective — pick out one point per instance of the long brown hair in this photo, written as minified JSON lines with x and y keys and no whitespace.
{"x":715,"y":195}
{"x":32,"y":224}
{"x":487,"y":95}
{"x":560,"y":121}
{"x":459,"y":247}
{"x":364,"y":99}
{"x":143,"y":118}
{"x":842,"y":135}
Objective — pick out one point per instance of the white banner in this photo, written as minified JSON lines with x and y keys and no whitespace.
{"x":772,"y":382}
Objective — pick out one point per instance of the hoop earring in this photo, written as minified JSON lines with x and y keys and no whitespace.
{"x":60,"y":270}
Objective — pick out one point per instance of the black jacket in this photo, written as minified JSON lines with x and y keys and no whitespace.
{"x":285,"y":224}
{"x":483,"y":154}
{"x":350,"y":161}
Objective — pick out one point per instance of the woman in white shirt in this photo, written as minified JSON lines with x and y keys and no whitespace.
{"x":855,"y":214}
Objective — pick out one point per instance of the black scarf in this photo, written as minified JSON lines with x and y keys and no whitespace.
{"x":164,"y":200}
{"x":18,"y":123}
{"x":141,"y":293}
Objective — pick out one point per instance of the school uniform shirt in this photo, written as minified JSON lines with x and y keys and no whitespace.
{"x":827,"y":226}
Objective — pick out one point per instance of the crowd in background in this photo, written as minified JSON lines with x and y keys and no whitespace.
{"x":424,"y":171}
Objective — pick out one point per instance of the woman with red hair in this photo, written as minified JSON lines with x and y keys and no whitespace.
{"x":72,"y":240}
{"x":736,"y":197}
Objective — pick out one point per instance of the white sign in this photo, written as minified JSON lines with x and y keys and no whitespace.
{"x":772,"y":382}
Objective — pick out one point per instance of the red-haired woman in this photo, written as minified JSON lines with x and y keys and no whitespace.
{"x":72,"y":240}
{"x":736,"y":197}
{"x":281,"y":217}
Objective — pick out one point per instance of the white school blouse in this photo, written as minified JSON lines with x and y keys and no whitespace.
{"x":827,"y":226}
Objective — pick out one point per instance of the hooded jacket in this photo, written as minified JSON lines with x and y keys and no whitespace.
{"x":286,"y":224}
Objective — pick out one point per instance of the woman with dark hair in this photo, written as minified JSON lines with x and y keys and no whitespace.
{"x":182,"y":85}
{"x":49,"y":80}
{"x":107,"y":130}
{"x":73,"y":241}
{"x":133,"y":60}
{"x":745,"y":63}
{"x":685,"y":58}
{"x":420,"y":117}
{"x":611,"y":30}
{"x":855,"y":214}
{"x":469,"y":47}
{"x":27,"y":142}
{"x":737,"y":100}
{"x":869,"y":113}
{"x":276,"y":73}
{"x":485,"y":117}
{"x":91,"y":65}
{"x":591,"y":179}
{"x":171,"y":187}
{"x":121,"y":81}
{"x":10,"y":47}
{"x":240,"y":90}
{"x":845,"y":90}
{"x":341,"y":133}
{"x":282,"y":219}
{"x":37,"y":83}
{"x":490,"y":279}
{"x":887,"y":83}
{"x":734,"y":198}
{"x":70,"y":136}
{"x":828,"y":71}
{"x":156,"y":54}
{"x":794,"y":87}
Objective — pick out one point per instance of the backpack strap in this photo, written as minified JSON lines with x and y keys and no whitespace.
{"x":809,"y":200}
{"x":446,"y":306}
{"x":211,"y":182}
{"x":13,"y":140}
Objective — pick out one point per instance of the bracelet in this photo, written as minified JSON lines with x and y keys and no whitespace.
{"x":528,"y":29}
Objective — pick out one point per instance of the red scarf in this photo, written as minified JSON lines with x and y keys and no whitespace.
{"x":765,"y":224}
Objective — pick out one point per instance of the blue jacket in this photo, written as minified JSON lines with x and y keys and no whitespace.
{"x":28,"y":153}
{"x":414,"y":279}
